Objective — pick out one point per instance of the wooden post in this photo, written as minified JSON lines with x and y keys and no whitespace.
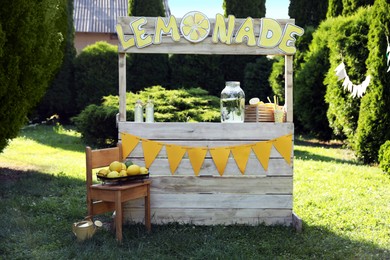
{"x":288,"y":87}
{"x":122,"y":86}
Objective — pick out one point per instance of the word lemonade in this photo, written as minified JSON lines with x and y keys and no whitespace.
{"x":195,"y":27}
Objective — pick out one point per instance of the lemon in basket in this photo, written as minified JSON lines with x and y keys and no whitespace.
{"x":133,"y":169}
{"x":113,"y":174}
{"x":115,"y":166}
{"x":103,"y":172}
{"x":122,"y":173}
{"x":143,"y":170}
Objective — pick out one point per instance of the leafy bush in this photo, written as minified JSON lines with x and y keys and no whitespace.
{"x":384,"y":157}
{"x":96,"y":123}
{"x":96,"y":74}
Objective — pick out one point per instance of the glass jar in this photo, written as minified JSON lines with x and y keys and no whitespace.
{"x":138,"y":112}
{"x":149,"y":112}
{"x":232,"y":103}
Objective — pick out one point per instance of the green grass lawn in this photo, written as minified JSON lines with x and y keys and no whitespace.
{"x":345,"y":209}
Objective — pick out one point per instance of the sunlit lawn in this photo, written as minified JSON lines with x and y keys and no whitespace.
{"x":345,"y":209}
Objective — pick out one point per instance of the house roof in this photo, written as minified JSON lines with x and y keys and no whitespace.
{"x":99,"y":16}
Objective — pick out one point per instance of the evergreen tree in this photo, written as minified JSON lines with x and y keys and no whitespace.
{"x":335,"y":8}
{"x":374,"y":120}
{"x":61,"y":92}
{"x":234,"y":65}
{"x":346,"y":7}
{"x":31,"y":50}
{"x":308,"y":12}
{"x":147,"y":69}
{"x":348,"y":43}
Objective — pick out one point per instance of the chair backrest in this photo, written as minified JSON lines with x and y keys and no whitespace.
{"x":100,"y":158}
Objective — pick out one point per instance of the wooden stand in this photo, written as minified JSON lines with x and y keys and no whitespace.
{"x":258,"y":196}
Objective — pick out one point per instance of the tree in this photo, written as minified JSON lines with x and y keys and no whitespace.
{"x":347,"y":43}
{"x":374,"y":120}
{"x":308,"y":12}
{"x":234,"y":66}
{"x":309,"y":88}
{"x":346,"y":7}
{"x":61,"y":92}
{"x":147,"y":70}
{"x":31,"y":51}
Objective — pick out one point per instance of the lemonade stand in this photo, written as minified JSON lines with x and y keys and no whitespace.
{"x":212,"y":173}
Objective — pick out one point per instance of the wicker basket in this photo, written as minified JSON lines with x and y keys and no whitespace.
{"x":261,"y":113}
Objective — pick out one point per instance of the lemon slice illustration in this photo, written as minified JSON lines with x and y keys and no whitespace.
{"x":195,"y":26}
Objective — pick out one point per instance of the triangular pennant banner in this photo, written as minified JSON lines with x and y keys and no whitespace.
{"x":175,"y":154}
{"x":151,"y":150}
{"x":241,"y":156}
{"x":196,"y":156}
{"x":129,"y":142}
{"x":262,"y":151}
{"x":284,"y":146}
{"x":220,"y":157}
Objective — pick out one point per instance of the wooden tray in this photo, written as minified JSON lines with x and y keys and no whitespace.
{"x":123,"y":178}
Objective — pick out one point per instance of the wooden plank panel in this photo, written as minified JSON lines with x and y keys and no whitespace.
{"x":212,"y":217}
{"x":206,"y":131}
{"x":239,"y":185}
{"x":276,"y":167}
{"x":205,"y":47}
{"x":216,"y":201}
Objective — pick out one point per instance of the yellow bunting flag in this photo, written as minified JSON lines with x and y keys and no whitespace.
{"x":151,"y":150}
{"x":175,"y":154}
{"x":220,"y":157}
{"x":196,"y":156}
{"x":241,"y":156}
{"x":129,"y":142}
{"x":262,"y":151}
{"x":284,"y":146}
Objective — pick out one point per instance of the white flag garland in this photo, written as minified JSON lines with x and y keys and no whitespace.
{"x":388,"y":54}
{"x":356,"y":90}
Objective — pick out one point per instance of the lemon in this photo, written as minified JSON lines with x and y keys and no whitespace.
{"x":113,"y":174}
{"x":115,"y":166}
{"x":143,"y":170}
{"x":103,"y":172}
{"x":124,"y":167}
{"x":133,"y":169}
{"x":122,"y":173}
{"x":195,"y":26}
{"x":254,"y":101}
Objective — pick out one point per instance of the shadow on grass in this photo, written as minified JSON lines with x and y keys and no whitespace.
{"x":54,"y":136}
{"x":305,"y":155}
{"x":39,"y":209}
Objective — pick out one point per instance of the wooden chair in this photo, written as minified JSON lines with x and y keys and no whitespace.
{"x":102,"y":198}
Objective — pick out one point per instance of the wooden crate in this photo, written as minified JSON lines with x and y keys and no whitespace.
{"x":258,"y":196}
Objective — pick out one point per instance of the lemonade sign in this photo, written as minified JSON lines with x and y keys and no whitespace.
{"x":195,"y":27}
